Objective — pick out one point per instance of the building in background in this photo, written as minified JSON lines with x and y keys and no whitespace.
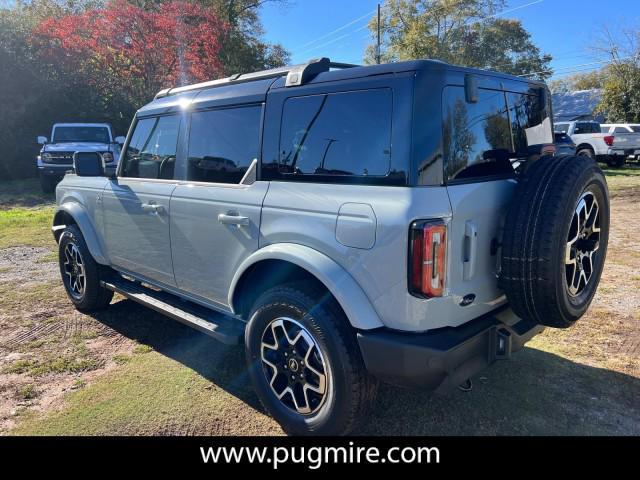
{"x":578,"y":105}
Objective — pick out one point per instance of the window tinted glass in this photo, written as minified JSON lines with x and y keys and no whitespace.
{"x":81,"y":134}
{"x":620,"y":130}
{"x":477,"y":137}
{"x":151,"y":153}
{"x":635,"y":128}
{"x":562,"y":127}
{"x":530,"y":126}
{"x":586,"y":127}
{"x":223,"y":143}
{"x":346,"y":134}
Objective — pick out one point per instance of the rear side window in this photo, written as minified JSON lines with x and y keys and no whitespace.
{"x":151,"y":153}
{"x":223,"y":143}
{"x":561,"y":127}
{"x":620,"y":130}
{"x":635,"y":128}
{"x":586,"y":127}
{"x":336,"y":135}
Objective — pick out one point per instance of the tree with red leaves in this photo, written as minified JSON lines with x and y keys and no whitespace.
{"x":127,"y":54}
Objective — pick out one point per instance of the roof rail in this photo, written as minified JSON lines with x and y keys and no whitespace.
{"x":296,"y":75}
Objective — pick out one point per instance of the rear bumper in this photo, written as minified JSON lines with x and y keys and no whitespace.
{"x":446,"y":357}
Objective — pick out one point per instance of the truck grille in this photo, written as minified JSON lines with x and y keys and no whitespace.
{"x":60,"y":158}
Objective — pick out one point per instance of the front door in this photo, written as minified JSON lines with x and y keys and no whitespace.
{"x":136,"y":206}
{"x":215,"y":219}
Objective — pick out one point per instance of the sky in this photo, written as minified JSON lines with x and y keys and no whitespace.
{"x":567,"y":29}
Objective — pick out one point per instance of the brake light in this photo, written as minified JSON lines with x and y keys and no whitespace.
{"x":609,"y":140}
{"x":427,"y":258}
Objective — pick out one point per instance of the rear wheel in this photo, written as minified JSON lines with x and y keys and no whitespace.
{"x":555,"y":240}
{"x":586,"y":152}
{"x":305,"y":363}
{"x":80,"y":272}
{"x":616,"y":161}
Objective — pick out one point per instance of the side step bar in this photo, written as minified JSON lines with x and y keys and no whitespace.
{"x":224,"y":328}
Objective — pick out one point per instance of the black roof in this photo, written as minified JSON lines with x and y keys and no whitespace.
{"x":314,"y":71}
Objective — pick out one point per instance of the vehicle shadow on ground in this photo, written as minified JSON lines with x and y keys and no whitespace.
{"x":533,"y":393}
{"x":24,"y":193}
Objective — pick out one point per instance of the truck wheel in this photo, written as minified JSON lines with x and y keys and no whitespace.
{"x":616,"y":161}
{"x":586,"y":152}
{"x":305,"y":363}
{"x":80,"y":272}
{"x":48,"y":184}
{"x":555,"y":240}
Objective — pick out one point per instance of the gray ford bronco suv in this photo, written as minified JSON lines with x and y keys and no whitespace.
{"x":406,"y":223}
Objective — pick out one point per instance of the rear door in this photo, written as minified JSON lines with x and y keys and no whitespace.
{"x":484,"y":141}
{"x":136,"y":206}
{"x":215,"y":219}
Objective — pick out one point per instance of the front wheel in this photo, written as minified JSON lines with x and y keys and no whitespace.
{"x":80,"y":272}
{"x":47,"y":183}
{"x":305,"y":363}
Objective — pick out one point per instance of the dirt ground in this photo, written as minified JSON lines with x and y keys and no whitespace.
{"x":130,"y":371}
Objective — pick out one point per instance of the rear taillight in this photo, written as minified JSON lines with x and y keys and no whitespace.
{"x":427,"y":258}
{"x":609,"y":140}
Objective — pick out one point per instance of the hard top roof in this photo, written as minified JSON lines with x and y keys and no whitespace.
{"x":314,"y":71}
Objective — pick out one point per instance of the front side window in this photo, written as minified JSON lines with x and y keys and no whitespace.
{"x":336,"y":135}
{"x":223,"y":143}
{"x":477,"y":136}
{"x":151,"y":153}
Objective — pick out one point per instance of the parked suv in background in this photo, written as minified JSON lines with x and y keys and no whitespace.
{"x":592,"y":142}
{"x":56,"y":156}
{"x":348,"y":224}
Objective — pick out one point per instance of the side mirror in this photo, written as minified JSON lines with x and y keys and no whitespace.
{"x":41,"y":140}
{"x":88,"y":164}
{"x":119,"y":140}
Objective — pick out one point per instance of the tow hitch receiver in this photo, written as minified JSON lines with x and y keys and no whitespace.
{"x":503,"y":343}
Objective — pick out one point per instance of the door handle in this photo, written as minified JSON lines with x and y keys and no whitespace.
{"x":236,"y":220}
{"x":152,"y":208}
{"x":470,"y":250}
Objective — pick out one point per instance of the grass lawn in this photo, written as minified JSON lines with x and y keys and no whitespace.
{"x":130,"y":371}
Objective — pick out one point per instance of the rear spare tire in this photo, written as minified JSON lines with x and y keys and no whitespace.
{"x":555,"y":240}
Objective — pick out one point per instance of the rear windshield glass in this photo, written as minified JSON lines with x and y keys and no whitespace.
{"x":561,"y":127}
{"x":81,"y":134}
{"x":485,"y":138}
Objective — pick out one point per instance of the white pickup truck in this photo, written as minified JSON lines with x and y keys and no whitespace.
{"x":626,"y":136}
{"x":592,"y":142}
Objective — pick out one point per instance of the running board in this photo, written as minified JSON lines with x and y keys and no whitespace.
{"x":226,"y":329}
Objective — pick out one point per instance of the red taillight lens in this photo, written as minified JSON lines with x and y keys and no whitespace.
{"x":427,"y":258}
{"x":609,"y":140}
